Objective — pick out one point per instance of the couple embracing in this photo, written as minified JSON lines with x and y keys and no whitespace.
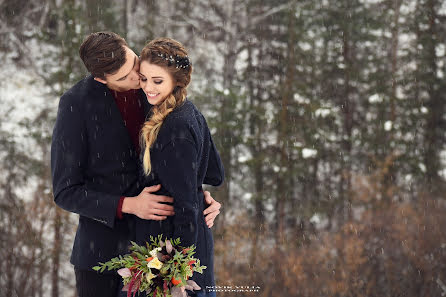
{"x":130,"y":154}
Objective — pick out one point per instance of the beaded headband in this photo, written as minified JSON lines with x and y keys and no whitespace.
{"x":180,"y":62}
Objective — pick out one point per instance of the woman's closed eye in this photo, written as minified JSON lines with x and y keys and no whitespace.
{"x":158,"y":82}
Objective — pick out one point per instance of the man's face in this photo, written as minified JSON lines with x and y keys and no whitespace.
{"x":127,"y":77}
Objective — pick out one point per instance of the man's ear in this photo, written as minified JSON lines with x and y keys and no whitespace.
{"x":100,"y":80}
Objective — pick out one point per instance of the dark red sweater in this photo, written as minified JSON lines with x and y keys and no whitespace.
{"x":130,"y":106}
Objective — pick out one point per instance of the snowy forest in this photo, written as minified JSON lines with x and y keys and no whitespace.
{"x":329,"y":117}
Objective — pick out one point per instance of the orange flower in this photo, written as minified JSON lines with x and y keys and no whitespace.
{"x":149,"y":259}
{"x":175,"y":281}
{"x":191,"y":264}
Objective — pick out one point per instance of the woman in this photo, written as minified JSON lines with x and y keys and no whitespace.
{"x":178,"y":153}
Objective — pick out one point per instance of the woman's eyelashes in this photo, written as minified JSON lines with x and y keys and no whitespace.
{"x":155,"y":81}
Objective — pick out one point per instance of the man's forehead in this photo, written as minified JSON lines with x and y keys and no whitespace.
{"x":127,"y":67}
{"x":129,"y":50}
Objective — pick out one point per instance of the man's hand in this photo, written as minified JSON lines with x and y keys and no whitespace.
{"x":148,"y":206}
{"x":212,"y":211}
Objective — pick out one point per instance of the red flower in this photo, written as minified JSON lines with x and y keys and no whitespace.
{"x":175,"y":281}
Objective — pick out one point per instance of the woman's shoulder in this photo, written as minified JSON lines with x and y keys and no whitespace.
{"x":183,"y":117}
{"x":179,"y":124}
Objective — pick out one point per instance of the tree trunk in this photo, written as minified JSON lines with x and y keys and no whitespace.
{"x":347,"y":110}
{"x":389,"y":179}
{"x":283,"y":135}
{"x":57,"y":247}
{"x":435,"y":103}
{"x":255,"y":147}
{"x":125,"y":16}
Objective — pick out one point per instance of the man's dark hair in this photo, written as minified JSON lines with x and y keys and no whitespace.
{"x":103,"y":53}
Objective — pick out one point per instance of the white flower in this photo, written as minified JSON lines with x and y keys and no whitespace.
{"x":154,"y":252}
{"x":155,"y":263}
{"x":150,"y":276}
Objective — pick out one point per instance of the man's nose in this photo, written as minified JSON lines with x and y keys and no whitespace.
{"x":134,"y":75}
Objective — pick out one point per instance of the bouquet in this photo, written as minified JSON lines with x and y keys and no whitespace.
{"x":160,"y":268}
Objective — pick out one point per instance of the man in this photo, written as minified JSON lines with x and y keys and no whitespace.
{"x":94,"y":161}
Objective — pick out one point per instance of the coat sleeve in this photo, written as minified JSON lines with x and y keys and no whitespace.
{"x":215,"y":172}
{"x":69,"y":160}
{"x":177,"y":170}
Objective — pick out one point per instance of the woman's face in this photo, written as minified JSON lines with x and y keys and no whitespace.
{"x":156,"y":82}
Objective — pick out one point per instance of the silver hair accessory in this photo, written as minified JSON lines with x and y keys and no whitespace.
{"x":180,"y":62}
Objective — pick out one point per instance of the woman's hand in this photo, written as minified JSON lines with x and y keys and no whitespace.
{"x":212,"y":211}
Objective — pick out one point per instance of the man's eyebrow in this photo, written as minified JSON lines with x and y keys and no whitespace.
{"x":124,"y":77}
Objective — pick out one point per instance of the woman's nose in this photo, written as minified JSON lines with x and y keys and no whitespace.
{"x":147,"y":87}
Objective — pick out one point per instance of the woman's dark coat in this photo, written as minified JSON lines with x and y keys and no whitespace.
{"x":184,"y":158}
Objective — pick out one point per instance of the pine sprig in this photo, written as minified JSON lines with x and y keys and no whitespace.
{"x":116,"y":263}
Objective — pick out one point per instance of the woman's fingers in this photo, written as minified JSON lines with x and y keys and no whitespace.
{"x":215,"y":206}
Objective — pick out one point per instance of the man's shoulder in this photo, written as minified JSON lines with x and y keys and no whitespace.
{"x":82,"y":90}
